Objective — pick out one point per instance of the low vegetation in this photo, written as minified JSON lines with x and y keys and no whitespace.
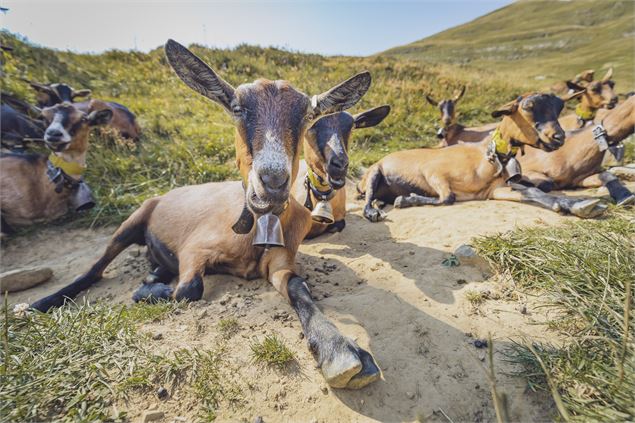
{"x":584,"y":272}
{"x":272,"y":351}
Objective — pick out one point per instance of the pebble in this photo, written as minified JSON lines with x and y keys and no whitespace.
{"x":157,"y":336}
{"x":152,"y":415}
{"x":324,"y":389}
{"x":162,"y":393}
{"x":480,"y":343}
{"x":410,"y":395}
{"x":259,"y":420}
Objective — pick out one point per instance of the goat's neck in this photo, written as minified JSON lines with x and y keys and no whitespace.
{"x":585,"y":110}
{"x":620,"y":122}
{"x":74,"y":156}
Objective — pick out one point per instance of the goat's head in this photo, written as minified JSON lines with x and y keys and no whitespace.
{"x":532,"y":119}
{"x":68,"y":126}
{"x":52,"y":94}
{"x":447,"y":107}
{"x":326,"y":142}
{"x":597,"y":94}
{"x":271,"y":118}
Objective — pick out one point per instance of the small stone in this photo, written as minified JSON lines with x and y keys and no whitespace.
{"x":522,"y":309}
{"x":361,"y":402}
{"x":259,"y":420}
{"x":162,"y":393}
{"x":179,"y":419}
{"x":152,"y":415}
{"x":481,"y":356}
{"x":480,"y":343}
{"x":157,"y":336}
{"x":301,"y":335}
{"x":225,"y":299}
{"x":467,"y":255}
{"x":202,"y":314}
{"x":324,"y":389}
{"x":410,"y":395}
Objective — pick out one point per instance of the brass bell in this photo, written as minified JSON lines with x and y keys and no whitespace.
{"x":268,"y":232}
{"x":323,"y":212}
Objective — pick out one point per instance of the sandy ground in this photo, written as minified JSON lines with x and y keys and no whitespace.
{"x":382,"y":284}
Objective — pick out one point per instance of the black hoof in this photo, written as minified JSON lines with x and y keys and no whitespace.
{"x":374,"y":215}
{"x":192,"y":291}
{"x":370,"y":371}
{"x":47,"y":303}
{"x":152,"y":293}
{"x":336,"y":226}
{"x":545,"y":186}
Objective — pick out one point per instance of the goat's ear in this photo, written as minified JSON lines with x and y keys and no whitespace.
{"x":586,"y":76}
{"x":371,"y":117}
{"x":99,"y":117}
{"x":432,"y":101}
{"x":80,"y":93}
{"x":572,"y":94}
{"x":198,"y":76}
{"x":460,"y":94}
{"x":342,"y":96}
{"x":506,"y":109}
{"x":574,"y":87}
{"x":608,"y":76}
{"x":41,"y":87}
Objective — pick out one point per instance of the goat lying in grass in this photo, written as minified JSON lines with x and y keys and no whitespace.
{"x":452,"y":133}
{"x":123,"y":120}
{"x":322,"y":174}
{"x":189,"y":230}
{"x":36,"y":188}
{"x":578,"y":164}
{"x":476,"y":171}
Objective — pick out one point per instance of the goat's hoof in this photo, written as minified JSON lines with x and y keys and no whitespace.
{"x":556,"y":207}
{"x":339,"y":369}
{"x":630,"y":199}
{"x":191,"y":291}
{"x":587,"y":208}
{"x":370,"y":372}
{"x":399,"y":202}
{"x":374,"y":215}
{"x":152,"y":293}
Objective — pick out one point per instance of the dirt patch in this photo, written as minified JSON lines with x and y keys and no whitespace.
{"x":382,"y":284}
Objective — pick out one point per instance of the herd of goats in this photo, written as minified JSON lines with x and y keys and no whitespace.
{"x":253,"y":227}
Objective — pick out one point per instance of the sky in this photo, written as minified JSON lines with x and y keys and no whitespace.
{"x":350,"y":27}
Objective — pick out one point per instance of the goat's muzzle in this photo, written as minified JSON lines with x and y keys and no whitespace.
{"x":551,"y":136}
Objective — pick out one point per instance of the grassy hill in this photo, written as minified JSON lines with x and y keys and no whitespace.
{"x":548,"y":40}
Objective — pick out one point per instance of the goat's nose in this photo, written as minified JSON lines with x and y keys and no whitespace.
{"x":54,"y":133}
{"x":558,"y":137}
{"x":274,"y":181}
{"x":338,"y":163}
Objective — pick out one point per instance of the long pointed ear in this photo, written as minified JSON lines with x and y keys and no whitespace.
{"x":80,"y":93}
{"x":41,"y":87}
{"x":198,"y":76}
{"x":609,"y":75}
{"x":99,"y":117}
{"x":572,"y":95}
{"x":460,"y":94}
{"x":432,"y":101}
{"x":506,"y":109}
{"x":371,"y":117}
{"x":342,"y":96}
{"x":574,"y":87}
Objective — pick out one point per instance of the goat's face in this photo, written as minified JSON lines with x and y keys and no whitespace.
{"x":535,"y":120}
{"x":447,"y":107}
{"x":52,"y":94}
{"x":271,"y":117}
{"x":68,"y":126}
{"x":326,"y":142}
{"x":597,"y":94}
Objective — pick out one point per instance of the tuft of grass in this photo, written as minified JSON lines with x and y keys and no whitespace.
{"x":272,"y":351}
{"x":78,"y":362}
{"x":476,"y":298}
{"x":585,"y":272}
{"x":228,"y":327}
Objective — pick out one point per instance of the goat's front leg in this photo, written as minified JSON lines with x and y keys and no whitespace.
{"x":618,"y":192}
{"x":584,"y":208}
{"x":373,"y":180}
{"x":343,"y":363}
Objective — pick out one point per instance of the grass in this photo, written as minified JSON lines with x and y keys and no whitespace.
{"x":476,"y":298}
{"x":272,"y":351}
{"x":584,"y":271}
{"x":228,"y":327}
{"x":79,"y":362}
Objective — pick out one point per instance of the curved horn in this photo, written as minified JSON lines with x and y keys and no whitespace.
{"x":42,"y":87}
{"x":432,"y":101}
{"x":80,"y":93}
{"x":460,"y":94}
{"x":609,"y":75}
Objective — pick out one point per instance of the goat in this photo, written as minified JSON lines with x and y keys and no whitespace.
{"x":123,"y":120}
{"x":452,"y":133}
{"x":36,"y":188}
{"x":322,"y":174}
{"x":579,"y":162}
{"x":475,"y":171}
{"x":597,"y":95}
{"x":189,"y":230}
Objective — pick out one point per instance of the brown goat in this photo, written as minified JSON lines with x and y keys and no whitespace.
{"x":474,"y":171}
{"x":597,"y":95}
{"x":452,"y":133}
{"x":189,"y":230}
{"x":579,"y":162}
{"x":322,"y":174}
{"x":123,"y":120}
{"x":36,"y":188}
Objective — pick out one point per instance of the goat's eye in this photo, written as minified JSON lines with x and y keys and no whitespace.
{"x":310,"y":116}
{"x":528,"y":105}
{"x":237,"y":109}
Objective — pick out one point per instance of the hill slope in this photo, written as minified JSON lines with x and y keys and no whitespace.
{"x":536,"y":39}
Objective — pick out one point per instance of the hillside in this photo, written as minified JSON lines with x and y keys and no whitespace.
{"x":539,"y":39}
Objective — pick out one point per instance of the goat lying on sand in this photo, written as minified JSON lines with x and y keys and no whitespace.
{"x":597,"y":98}
{"x":36,"y":188}
{"x":123,"y":120}
{"x":189,"y":230}
{"x":476,"y":171}
{"x":579,"y":162}
{"x":322,"y":174}
{"x":452,"y":133}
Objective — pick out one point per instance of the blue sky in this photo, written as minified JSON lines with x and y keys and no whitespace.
{"x":325,"y":27}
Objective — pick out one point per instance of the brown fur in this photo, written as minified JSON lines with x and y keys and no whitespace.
{"x":598,"y":96}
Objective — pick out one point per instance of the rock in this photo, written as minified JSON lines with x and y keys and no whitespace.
{"x":20,"y":279}
{"x":410,"y":395}
{"x":225,"y":299}
{"x":259,"y":420}
{"x":467,"y":256}
{"x":480,"y":343}
{"x":151,"y":415}
{"x":157,"y":336}
{"x":162,"y":393}
{"x":324,"y":389}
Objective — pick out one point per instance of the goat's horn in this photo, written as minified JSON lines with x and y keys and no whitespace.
{"x":608,"y":75}
{"x":42,"y":87}
{"x":245,"y":222}
{"x":460,"y":94}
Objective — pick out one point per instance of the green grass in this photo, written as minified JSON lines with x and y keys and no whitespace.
{"x":476,"y":298}
{"x":78,"y":362}
{"x":584,"y":272}
{"x":228,"y":327}
{"x":272,"y":351}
